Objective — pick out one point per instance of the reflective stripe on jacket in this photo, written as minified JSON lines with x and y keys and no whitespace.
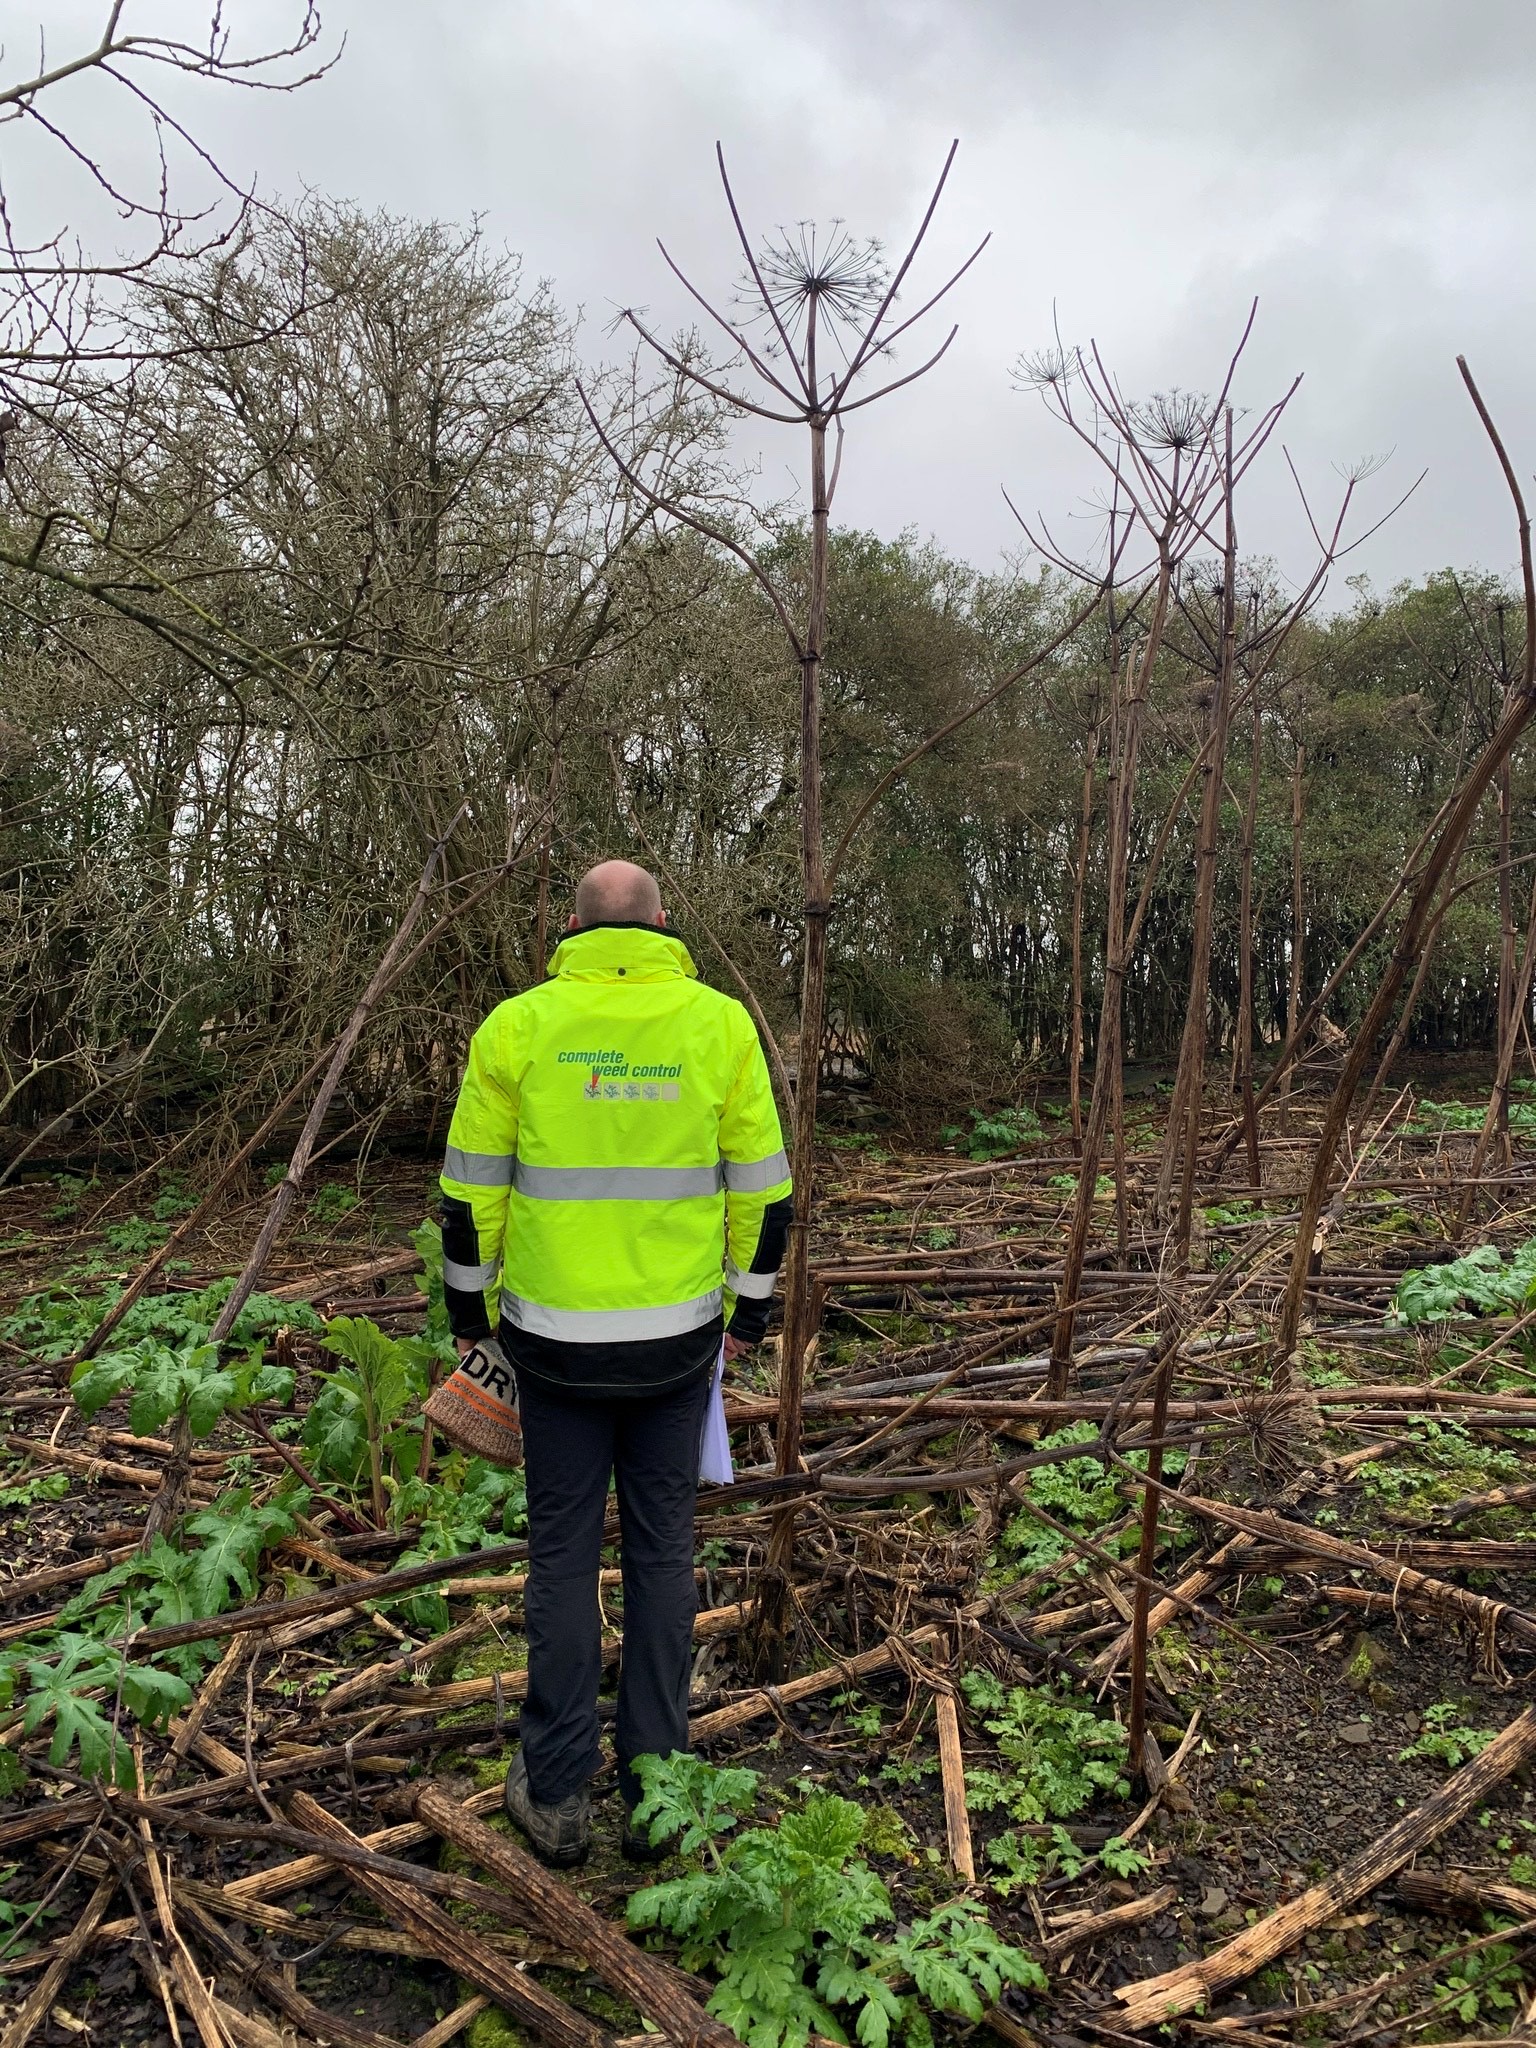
{"x":617,"y":1145}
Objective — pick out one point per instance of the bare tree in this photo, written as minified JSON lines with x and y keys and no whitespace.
{"x":60,"y":301}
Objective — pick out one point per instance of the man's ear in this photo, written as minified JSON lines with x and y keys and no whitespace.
{"x":573,"y":923}
{"x":661,"y":920}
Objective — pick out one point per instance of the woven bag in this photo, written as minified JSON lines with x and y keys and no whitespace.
{"x":475,"y":1408}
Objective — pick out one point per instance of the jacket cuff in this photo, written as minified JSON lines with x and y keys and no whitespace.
{"x":748,"y":1322}
{"x":467,"y":1315}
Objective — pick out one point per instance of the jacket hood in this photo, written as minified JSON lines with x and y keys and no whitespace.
{"x":604,"y":952}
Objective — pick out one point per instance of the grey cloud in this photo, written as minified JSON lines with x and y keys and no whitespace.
{"x":1362,"y":166}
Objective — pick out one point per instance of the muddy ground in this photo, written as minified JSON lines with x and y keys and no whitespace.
{"x":1305,"y":1706}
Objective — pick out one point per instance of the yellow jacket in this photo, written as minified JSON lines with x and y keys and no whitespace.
{"x":614,"y":1157}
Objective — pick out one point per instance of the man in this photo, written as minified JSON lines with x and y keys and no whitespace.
{"x":602,"y":1117}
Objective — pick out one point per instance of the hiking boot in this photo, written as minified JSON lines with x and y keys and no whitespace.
{"x":559,"y":1835}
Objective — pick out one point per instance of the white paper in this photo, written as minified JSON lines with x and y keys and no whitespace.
{"x":715,"y":1467}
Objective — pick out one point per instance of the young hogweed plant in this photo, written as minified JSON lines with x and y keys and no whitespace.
{"x":163,"y":1357}
{"x":1021,"y":1860}
{"x":994,"y":1134}
{"x":787,"y":1917}
{"x":1444,"y":1741}
{"x":77,"y":1678}
{"x":1061,"y":1754}
{"x":19,"y":1916}
{"x":1480,"y":1283}
{"x":468,"y":1505}
{"x":352,"y":1422}
{"x":1061,"y":1757}
{"x":79,"y":1691}
{"x":1082,"y":1492}
{"x":1483,"y":1986}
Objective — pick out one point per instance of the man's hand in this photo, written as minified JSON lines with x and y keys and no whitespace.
{"x":735,"y":1348}
{"x":464,"y":1345}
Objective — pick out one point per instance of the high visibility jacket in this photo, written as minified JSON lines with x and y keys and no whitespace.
{"x":612,"y":1161}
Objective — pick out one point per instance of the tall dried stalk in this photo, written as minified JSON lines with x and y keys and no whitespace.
{"x":1079,"y":886}
{"x":1298,"y":923}
{"x":1243,"y":1049}
{"x":813,"y":301}
{"x":1189,"y":1093}
{"x":1459,"y":816}
{"x":1163,"y":460}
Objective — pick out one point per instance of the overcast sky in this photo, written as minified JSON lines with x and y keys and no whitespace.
{"x":1364,"y":167}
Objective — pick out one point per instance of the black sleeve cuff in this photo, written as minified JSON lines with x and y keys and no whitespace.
{"x":749,"y":1320}
{"x":467,"y":1315}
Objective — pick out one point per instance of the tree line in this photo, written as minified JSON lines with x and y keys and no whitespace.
{"x":344,"y":560}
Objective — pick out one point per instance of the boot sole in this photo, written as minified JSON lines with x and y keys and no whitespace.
{"x":562,"y":1862}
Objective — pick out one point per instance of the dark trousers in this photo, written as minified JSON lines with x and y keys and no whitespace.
{"x":571,"y":1446}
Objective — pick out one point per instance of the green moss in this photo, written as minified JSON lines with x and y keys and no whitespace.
{"x":887,"y":1834}
{"x":599,"y":2002}
{"x":1358,"y":1671}
{"x":492,"y":2029}
{"x":489,"y":1770}
{"x":1173,"y":1648}
{"x":491,"y":1656}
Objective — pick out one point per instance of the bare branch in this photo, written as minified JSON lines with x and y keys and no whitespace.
{"x":684,"y":517}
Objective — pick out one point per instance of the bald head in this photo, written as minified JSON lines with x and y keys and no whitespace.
{"x":617,"y":892}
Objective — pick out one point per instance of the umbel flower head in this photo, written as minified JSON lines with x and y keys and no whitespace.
{"x":1174,"y":421}
{"x":846,"y":279}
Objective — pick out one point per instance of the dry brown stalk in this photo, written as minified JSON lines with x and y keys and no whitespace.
{"x":39,"y":2001}
{"x":327,"y":1599}
{"x":1192,"y":1587}
{"x":830,"y":320}
{"x":957,"y":1819}
{"x":32,"y":1583}
{"x":654,"y":1987}
{"x":1459,"y":1894}
{"x":1156,"y":2000}
{"x":522,"y":1997}
{"x":246,"y":2031}
{"x":189,"y":1983}
{"x":452,"y":2024}
{"x":248,"y":1968}
{"x":96,"y":1468}
{"x":375,"y":1675}
{"x":304,"y":1870}
{"x":336,"y":1279}
{"x":1115,"y":1920}
{"x":1487,"y":1614}
{"x":1484,"y":1503}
